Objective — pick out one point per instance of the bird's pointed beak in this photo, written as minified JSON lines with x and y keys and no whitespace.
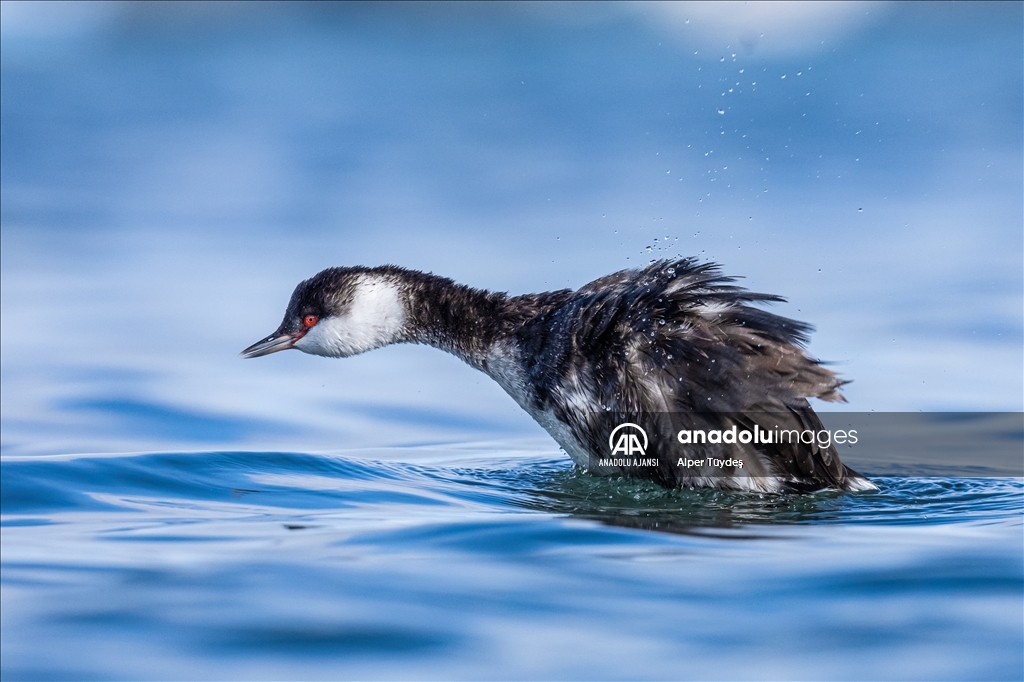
{"x":271,"y":344}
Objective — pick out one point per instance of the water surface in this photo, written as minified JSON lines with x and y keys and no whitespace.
{"x":473,"y":562}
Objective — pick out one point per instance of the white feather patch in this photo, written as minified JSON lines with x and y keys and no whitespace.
{"x":374,"y":319}
{"x":504,"y":366}
{"x":712,"y":310}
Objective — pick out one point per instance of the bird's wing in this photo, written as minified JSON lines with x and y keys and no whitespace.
{"x":690,"y":342}
{"x":694,"y":342}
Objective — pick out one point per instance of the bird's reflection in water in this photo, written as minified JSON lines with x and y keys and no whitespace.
{"x":644,"y":505}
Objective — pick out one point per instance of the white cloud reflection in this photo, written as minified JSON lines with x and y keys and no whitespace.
{"x":762,"y":29}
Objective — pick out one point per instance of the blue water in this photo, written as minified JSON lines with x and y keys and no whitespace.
{"x":170,"y":171}
{"x":480,"y":563}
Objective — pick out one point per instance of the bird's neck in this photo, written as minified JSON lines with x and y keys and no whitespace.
{"x":455,"y":318}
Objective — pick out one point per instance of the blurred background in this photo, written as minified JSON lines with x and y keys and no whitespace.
{"x":170,"y":171}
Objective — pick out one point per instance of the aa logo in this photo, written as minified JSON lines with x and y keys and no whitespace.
{"x":628,"y":439}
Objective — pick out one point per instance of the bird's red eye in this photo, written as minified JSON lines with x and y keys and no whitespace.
{"x":309,"y":320}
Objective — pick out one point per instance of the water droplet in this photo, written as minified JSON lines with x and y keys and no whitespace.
{"x":721,"y":111}
{"x":860,"y":210}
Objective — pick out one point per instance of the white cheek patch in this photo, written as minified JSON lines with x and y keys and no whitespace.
{"x":375,"y":318}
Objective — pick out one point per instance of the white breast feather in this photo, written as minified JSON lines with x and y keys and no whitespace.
{"x":504,"y":366}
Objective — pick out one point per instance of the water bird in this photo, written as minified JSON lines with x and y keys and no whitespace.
{"x":676,"y":337}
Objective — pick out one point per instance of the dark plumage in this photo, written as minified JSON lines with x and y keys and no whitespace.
{"x":676,"y":338}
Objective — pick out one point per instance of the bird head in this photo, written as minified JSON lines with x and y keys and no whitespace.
{"x":337,"y":313}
